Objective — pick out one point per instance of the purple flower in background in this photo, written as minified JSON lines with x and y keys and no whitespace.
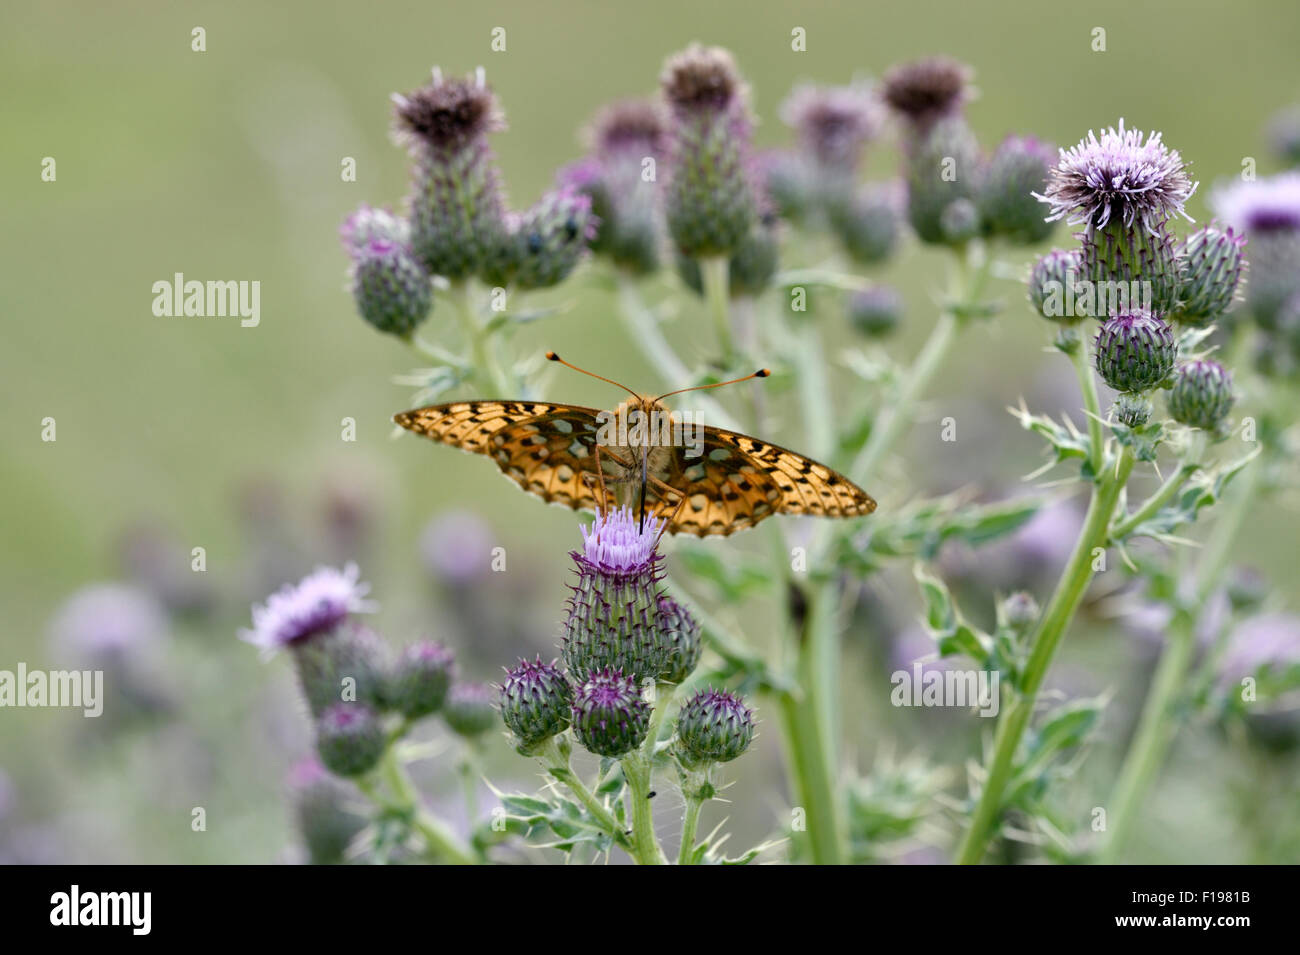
{"x":834,"y":124}
{"x":317,"y":604}
{"x":1267,"y":640}
{"x":108,"y":620}
{"x":1123,"y":175}
{"x":1260,"y":205}
{"x":456,"y":547}
{"x":368,"y":223}
{"x":926,"y":90}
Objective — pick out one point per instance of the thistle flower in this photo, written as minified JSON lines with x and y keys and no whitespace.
{"x":875,"y":311}
{"x":713,"y":727}
{"x":711,"y":204}
{"x":456,"y":548}
{"x":1052,"y":284}
{"x":924,"y":91}
{"x":1260,"y":205}
{"x":469,"y":709}
{"x":392,"y":290}
{"x":315,"y":605}
{"x":1202,"y":395}
{"x":1212,"y":263}
{"x":368,"y":223}
{"x":612,"y":618}
{"x":536,"y":701}
{"x":543,"y":245}
{"x":1124,"y":177}
{"x":457,"y":211}
{"x":609,"y":716}
{"x":320,"y":807}
{"x":1007,"y":187}
{"x":1135,"y":351}
{"x":833,"y":125}
{"x":681,"y":634}
{"x":420,"y":679}
{"x":105,"y":622}
{"x":942,"y":169}
{"x":349,"y":739}
{"x":869,"y":224}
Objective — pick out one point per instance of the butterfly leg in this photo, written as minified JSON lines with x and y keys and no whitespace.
{"x":681,"y":501}
{"x":600,"y":474}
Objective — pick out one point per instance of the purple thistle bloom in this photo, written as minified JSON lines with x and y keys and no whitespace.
{"x":833,"y":124}
{"x":609,"y":716}
{"x":368,"y":223}
{"x":926,"y":90}
{"x":633,"y":128}
{"x":108,"y":621}
{"x":1261,"y":205}
{"x":618,"y":543}
{"x":1124,"y":175}
{"x":317,"y":604}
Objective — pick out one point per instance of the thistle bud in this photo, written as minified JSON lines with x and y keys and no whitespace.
{"x":1019,"y":611}
{"x":320,"y":807}
{"x":1052,"y":284}
{"x":1006,"y":195}
{"x":420,"y":679}
{"x":1132,"y":410}
{"x":711,"y":204}
{"x":391,"y":288}
{"x":457,"y":213}
{"x":960,"y":221}
{"x":869,"y":224}
{"x":713,"y":727}
{"x":349,"y":739}
{"x":542,"y":246}
{"x":468,"y":710}
{"x":1143,"y":266}
{"x":1212,"y":262}
{"x":368,"y":223}
{"x":536,"y":701}
{"x":941,"y":170}
{"x":609,"y":716}
{"x":875,"y":311}
{"x":345,"y":664}
{"x":613,"y":614}
{"x":1135,"y":351}
{"x":1202,"y":395}
{"x":788,"y":181}
{"x":749,"y":270}
{"x":681,"y":635}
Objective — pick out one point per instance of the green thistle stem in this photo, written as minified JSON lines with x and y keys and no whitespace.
{"x":439,"y":839}
{"x":690,"y":824}
{"x":1158,"y":724}
{"x":714,"y":272}
{"x":1055,"y":621}
{"x":482,"y":349}
{"x":1190,"y":464}
{"x":1081,"y":356}
{"x":557,"y":764}
{"x":645,"y":843}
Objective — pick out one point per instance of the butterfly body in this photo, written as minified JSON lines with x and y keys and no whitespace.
{"x":704,"y":481}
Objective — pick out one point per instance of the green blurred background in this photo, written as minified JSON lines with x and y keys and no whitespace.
{"x":225,"y":165}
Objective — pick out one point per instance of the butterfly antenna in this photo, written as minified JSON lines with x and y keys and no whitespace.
{"x":761,"y":373}
{"x":551,"y":356}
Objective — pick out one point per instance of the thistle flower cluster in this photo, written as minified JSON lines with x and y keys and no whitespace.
{"x":1124,"y":188}
{"x":353,"y":685}
{"x":457,"y":225}
{"x":621,"y":632}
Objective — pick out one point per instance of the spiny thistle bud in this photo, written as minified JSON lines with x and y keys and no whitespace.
{"x":609,"y":716}
{"x":681,"y":634}
{"x":1019,"y":611}
{"x":875,"y":311}
{"x":1007,"y":186}
{"x":1132,"y":410}
{"x":543,"y":245}
{"x":1202,"y":395}
{"x":1052,"y":284}
{"x":1135,"y":351}
{"x":788,"y":182}
{"x":924,"y":91}
{"x":348,"y":663}
{"x":457,"y":213}
{"x":750,"y":268}
{"x":420,"y":679}
{"x":349,"y":739}
{"x":960,"y":221}
{"x":713,"y":727}
{"x":941,"y":169}
{"x":468,"y":709}
{"x":613,"y":617}
{"x":1212,"y":262}
{"x":391,"y":288}
{"x":320,"y":808}
{"x":711,"y":204}
{"x":1143,"y":267}
{"x":368,"y":223}
{"x":536,"y":701}
{"x":870,"y":223}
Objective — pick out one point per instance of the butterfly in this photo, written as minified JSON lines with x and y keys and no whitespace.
{"x":702,"y":480}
